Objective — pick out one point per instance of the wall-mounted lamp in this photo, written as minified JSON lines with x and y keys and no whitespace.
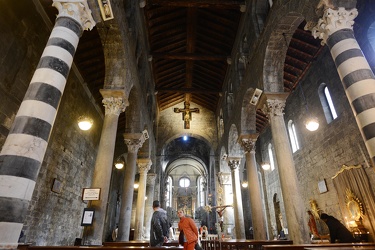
{"x":265,"y":165}
{"x":244,"y":184}
{"x":119,"y":164}
{"x":136,"y":185}
{"x":256,"y":96}
{"x":85,"y":123}
{"x":312,"y":123}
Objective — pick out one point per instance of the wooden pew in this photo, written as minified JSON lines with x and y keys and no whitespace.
{"x":137,"y":243}
{"x":240,"y":244}
{"x":211,"y":244}
{"x":307,"y":246}
{"x":102,"y":248}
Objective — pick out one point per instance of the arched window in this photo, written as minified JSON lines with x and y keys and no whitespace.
{"x":184,"y":182}
{"x":293,"y":136}
{"x":270,"y":154}
{"x":169,"y":192}
{"x":201,"y":192}
{"x":327,"y":103}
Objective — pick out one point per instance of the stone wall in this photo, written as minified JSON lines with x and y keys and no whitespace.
{"x":54,"y":218}
{"x":323,"y":152}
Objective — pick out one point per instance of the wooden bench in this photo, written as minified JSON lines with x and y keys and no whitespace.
{"x":307,"y":246}
{"x":103,"y":248}
{"x":137,"y":243}
{"x":240,"y":244}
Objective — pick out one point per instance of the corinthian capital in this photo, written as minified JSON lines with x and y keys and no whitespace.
{"x":114,"y":101}
{"x":114,"y":105}
{"x":248,"y":141}
{"x":151,"y":177}
{"x":223,"y":178}
{"x":274,"y":108}
{"x":144,"y":165}
{"x":332,"y":21}
{"x":77,"y":10}
{"x":134,"y":141}
{"x":233,"y":162}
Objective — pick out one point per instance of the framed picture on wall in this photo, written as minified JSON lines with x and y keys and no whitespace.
{"x":91,"y":194}
{"x":88,"y":216}
{"x":56,"y":186}
{"x":322,"y":186}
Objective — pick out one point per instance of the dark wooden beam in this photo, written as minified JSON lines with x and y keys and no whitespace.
{"x":223,"y":4}
{"x":189,"y":56}
{"x":187,"y":90}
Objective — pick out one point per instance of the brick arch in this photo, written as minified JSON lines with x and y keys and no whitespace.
{"x":133,"y":112}
{"x":277,"y":47}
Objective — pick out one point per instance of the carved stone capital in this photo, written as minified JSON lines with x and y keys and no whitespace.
{"x":151,"y":177}
{"x":114,"y":106}
{"x":223,"y":178}
{"x":248,"y":141}
{"x":114,"y":101}
{"x":77,"y":10}
{"x":332,"y":21}
{"x":233,"y":162}
{"x":144,"y":165}
{"x":134,"y":141}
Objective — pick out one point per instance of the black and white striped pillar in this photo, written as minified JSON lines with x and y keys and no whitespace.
{"x":336,"y":30}
{"x":24,"y":149}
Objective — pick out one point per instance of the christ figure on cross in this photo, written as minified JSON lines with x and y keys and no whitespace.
{"x":186,"y":114}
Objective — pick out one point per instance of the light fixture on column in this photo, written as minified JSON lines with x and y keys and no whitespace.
{"x":136,"y":185}
{"x":244,"y":184}
{"x":265,"y":165}
{"x":119,"y":164}
{"x":85,"y":123}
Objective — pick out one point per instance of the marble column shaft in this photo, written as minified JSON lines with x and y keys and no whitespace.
{"x":257,"y":214}
{"x":151,"y":177}
{"x":233,"y":163}
{"x":294,"y":207}
{"x":26,"y":144}
{"x":144,"y":166}
{"x":134,"y":143}
{"x":114,"y":103}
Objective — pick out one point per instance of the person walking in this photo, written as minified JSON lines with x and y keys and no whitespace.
{"x":337,"y":231}
{"x":188,"y":229}
{"x":159,"y":229}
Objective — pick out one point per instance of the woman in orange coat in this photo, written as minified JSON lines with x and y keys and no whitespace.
{"x":189,"y":229}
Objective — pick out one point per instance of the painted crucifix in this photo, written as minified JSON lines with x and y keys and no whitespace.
{"x":186,"y":114}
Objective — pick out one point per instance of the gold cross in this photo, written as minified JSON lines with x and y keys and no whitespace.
{"x":186,"y":114}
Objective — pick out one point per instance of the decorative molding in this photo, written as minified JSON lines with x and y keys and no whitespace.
{"x":332,"y":21}
{"x":345,"y":167}
{"x":77,"y":10}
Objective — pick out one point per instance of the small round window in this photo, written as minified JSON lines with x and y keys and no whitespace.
{"x":184,"y":182}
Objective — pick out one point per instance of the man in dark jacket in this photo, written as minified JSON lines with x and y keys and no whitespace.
{"x":159,"y":229}
{"x":337,"y":231}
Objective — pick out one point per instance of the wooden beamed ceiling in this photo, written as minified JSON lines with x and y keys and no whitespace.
{"x":190,"y":41}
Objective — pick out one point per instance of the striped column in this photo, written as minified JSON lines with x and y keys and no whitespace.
{"x":336,"y":30}
{"x":26,"y":144}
